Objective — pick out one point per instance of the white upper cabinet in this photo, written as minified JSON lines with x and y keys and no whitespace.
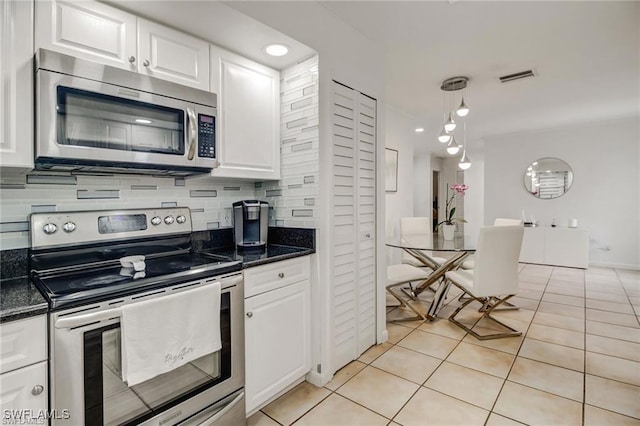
{"x":16,"y":84}
{"x":171,"y":55}
{"x":87,"y":30}
{"x":101,"y":33}
{"x":248,"y":131}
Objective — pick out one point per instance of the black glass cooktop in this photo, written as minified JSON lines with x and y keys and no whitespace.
{"x":93,"y":284}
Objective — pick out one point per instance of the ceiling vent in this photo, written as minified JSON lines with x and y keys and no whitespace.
{"x":517,"y":76}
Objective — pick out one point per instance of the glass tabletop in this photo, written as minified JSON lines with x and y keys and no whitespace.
{"x":435,"y":242}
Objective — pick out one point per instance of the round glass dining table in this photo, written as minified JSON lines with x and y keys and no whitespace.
{"x":425,"y":248}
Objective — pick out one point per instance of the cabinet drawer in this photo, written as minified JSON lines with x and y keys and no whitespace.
{"x":275,"y":275}
{"x":24,"y":390}
{"x":23,"y":342}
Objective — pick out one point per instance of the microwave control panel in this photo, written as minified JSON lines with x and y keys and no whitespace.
{"x":206,"y":136}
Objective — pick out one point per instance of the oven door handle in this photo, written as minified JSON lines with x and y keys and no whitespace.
{"x":85,"y":319}
{"x":230,"y":282}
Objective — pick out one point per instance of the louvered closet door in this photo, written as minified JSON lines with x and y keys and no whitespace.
{"x":353,"y":217}
{"x":366,"y":221}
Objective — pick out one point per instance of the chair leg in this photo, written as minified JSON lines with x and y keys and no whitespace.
{"x":403,"y":303}
{"x":512,"y":332}
{"x":410,"y":291}
{"x":507,"y":306}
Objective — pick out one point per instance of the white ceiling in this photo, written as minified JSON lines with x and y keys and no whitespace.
{"x":586,"y":55}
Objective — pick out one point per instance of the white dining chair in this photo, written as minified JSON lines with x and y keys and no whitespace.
{"x":418,"y":227}
{"x":500,"y":221}
{"x":494,"y":279}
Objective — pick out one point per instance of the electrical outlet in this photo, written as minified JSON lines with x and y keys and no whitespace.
{"x":226,"y":218}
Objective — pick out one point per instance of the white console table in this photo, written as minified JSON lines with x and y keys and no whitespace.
{"x":556,"y":246}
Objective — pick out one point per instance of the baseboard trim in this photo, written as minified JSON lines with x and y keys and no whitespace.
{"x":318,"y":379}
{"x":615,"y":265}
{"x":384,"y":336}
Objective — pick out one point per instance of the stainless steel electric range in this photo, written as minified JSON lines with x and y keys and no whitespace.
{"x":90,"y":264}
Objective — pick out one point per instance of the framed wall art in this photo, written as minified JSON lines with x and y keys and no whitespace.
{"x":390,"y":170}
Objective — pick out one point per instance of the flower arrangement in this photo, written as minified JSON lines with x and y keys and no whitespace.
{"x":456,"y":188}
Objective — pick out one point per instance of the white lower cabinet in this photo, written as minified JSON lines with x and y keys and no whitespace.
{"x":23,"y":392}
{"x":556,"y":246}
{"x":277,"y":336}
{"x":23,"y":364}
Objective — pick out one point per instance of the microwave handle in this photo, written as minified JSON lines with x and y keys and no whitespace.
{"x":191,"y":118}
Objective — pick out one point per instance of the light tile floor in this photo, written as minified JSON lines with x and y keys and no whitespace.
{"x":577,"y":363}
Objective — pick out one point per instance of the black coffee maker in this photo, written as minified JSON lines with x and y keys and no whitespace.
{"x":250,"y":223}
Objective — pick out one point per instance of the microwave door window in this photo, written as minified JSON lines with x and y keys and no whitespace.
{"x":88,"y":119}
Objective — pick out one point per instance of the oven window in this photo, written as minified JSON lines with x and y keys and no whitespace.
{"x":101,"y":121}
{"x":109,"y":401}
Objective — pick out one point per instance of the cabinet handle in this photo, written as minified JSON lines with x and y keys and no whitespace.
{"x":132,"y":59}
{"x":146,"y":63}
{"x":281,"y":274}
{"x":37,"y":390}
{"x":249,"y":314}
{"x":368,"y":235}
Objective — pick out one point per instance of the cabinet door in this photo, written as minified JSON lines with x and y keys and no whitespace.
{"x":171,"y":55}
{"x":532,"y":250}
{"x":23,"y":342}
{"x":16,"y":84}
{"x":23,"y":390}
{"x":567,"y":247}
{"x":277,"y":341}
{"x":87,"y":30}
{"x":248,"y":130}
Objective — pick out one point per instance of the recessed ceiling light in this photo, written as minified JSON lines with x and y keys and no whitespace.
{"x":276,"y":49}
{"x":419,"y":129}
{"x":143,"y":121}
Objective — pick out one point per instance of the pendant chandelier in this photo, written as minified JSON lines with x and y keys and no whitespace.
{"x":450,"y":86}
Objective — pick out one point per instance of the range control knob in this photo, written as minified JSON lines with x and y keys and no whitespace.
{"x":181,"y":219}
{"x":156,"y":220}
{"x":169,"y":220}
{"x":69,"y":227}
{"x":50,"y":228}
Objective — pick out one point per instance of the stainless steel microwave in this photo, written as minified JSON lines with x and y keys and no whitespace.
{"x":95,"y":118}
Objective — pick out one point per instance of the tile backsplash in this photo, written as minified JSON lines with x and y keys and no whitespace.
{"x":293,"y":198}
{"x":207,"y":197}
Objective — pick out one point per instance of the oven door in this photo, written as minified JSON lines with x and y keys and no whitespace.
{"x":83,"y":122}
{"x":86,"y":368}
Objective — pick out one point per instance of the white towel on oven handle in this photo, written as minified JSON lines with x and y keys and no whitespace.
{"x":162,"y":334}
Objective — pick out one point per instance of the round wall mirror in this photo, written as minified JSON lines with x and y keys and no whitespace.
{"x":548,"y":178}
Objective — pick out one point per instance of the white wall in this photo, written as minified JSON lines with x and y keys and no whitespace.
{"x":422,"y":191}
{"x":604,"y":197}
{"x":399,"y":135}
{"x":474,"y":197}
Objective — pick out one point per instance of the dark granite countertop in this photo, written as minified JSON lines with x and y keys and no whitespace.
{"x":20,"y":299}
{"x":254,"y":257}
